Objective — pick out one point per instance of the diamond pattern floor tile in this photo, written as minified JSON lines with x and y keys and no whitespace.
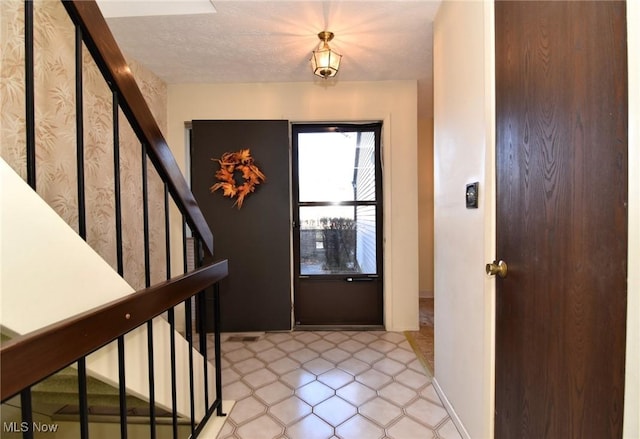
{"x":335,"y":410}
{"x":330,"y":385}
{"x":408,"y":428}
{"x":398,"y":394}
{"x":271,"y":355}
{"x":303,"y":355}
{"x":335,"y":378}
{"x":354,"y":366}
{"x":448,"y":431}
{"x":380,"y":411}
{"x":359,"y":427}
{"x":263,"y":427}
{"x":389,"y":366}
{"x":336,"y":355}
{"x":290,"y":410}
{"x":318,"y":366}
{"x":427,"y":412}
{"x":260,"y":346}
{"x":374,"y":379}
{"x":369,"y":355}
{"x":259,"y":378}
{"x":273,"y":393}
{"x":315,"y":392}
{"x":283,"y":365}
{"x":356,"y":393}
{"x":311,"y":427}
{"x":297,"y":378}
{"x":247,"y":409}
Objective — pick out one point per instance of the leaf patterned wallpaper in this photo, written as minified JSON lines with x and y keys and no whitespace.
{"x":56,"y":168}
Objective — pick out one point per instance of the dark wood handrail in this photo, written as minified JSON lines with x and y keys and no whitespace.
{"x":30,"y":358}
{"x":109,"y":58}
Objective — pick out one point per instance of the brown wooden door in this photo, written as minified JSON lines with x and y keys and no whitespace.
{"x":561,"y":108}
{"x":255,"y":239}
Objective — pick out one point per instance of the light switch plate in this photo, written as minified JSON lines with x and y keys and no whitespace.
{"x":472,"y":195}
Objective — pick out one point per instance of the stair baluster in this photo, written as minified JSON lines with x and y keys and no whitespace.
{"x":85,"y":333}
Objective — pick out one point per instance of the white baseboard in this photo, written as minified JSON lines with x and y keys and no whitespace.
{"x":449,"y":408}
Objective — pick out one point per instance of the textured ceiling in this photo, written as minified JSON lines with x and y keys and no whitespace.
{"x":271,"y":41}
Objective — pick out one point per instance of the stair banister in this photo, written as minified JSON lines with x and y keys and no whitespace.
{"x":31,"y":358}
{"x":112,"y":64}
{"x":64,"y":342}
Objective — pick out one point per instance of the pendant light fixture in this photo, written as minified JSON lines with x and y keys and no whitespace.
{"x":324,"y":61}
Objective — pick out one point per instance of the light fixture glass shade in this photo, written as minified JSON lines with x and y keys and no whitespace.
{"x":324,"y":61}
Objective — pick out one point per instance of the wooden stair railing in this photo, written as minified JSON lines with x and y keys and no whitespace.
{"x":30,"y":358}
{"x":111,"y":62}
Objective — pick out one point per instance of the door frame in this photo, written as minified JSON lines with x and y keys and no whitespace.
{"x":302,"y":127}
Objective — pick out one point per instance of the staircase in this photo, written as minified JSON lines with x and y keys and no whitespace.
{"x":57,"y":396}
{"x":82,"y":347}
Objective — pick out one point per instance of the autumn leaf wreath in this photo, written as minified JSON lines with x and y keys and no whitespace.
{"x":232,"y":164}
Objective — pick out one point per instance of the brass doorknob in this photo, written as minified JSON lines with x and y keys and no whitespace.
{"x":499,"y":268}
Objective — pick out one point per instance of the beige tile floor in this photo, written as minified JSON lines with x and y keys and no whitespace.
{"x":330,"y":385}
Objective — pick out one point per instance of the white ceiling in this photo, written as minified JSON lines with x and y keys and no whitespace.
{"x":271,"y":41}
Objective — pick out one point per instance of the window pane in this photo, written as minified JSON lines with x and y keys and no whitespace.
{"x":337,"y":240}
{"x":336,"y":166}
{"x":366,"y":239}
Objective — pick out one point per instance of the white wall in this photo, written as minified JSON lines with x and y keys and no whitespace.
{"x":632,"y":378}
{"x":464,"y":42}
{"x":38,"y":253}
{"x":48,"y":273}
{"x":392,"y":102}
{"x":463,"y":153}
